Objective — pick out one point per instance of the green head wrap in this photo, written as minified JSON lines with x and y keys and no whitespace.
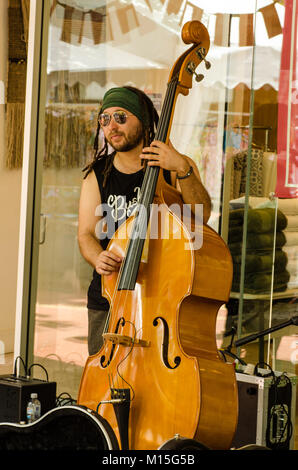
{"x":127,"y":99}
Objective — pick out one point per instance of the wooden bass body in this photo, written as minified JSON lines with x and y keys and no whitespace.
{"x":161,"y":343}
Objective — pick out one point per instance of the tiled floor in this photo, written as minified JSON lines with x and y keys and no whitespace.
{"x":61,"y":344}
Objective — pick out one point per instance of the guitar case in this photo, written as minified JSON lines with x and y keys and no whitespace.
{"x":66,"y":428}
{"x":180,"y":443}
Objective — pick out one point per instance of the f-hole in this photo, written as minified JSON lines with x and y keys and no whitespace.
{"x":121,"y":322}
{"x":165,"y":344}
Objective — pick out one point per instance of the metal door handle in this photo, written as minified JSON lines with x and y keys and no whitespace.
{"x":43,"y":229}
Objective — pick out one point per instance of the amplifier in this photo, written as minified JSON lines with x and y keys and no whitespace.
{"x":267,"y":408}
{"x":15,"y":393}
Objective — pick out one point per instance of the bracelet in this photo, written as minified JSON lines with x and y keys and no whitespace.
{"x":187,"y":174}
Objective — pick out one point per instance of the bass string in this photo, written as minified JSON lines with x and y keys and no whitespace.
{"x":163,"y":124}
{"x":124,"y":359}
{"x":161,"y":130}
{"x":163,"y":118}
{"x":150,"y":175}
{"x":117,"y":283}
{"x":121,"y":298}
{"x":148,"y":181}
{"x":112,"y":306}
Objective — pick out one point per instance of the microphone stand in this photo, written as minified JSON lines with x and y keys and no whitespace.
{"x":254,"y":336}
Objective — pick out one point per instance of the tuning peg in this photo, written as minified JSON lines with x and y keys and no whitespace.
{"x":191,"y":66}
{"x":199,"y":77}
{"x":207,"y":64}
{"x":202,"y":54}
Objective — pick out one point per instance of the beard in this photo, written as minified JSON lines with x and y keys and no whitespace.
{"x":129,"y":141}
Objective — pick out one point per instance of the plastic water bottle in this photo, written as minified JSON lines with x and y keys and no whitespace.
{"x":33,"y":408}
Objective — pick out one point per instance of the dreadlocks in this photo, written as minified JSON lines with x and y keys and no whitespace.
{"x":148,"y":115}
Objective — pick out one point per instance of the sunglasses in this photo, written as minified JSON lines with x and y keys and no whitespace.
{"x":119,"y":116}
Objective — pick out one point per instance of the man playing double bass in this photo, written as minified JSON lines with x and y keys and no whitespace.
{"x":128,"y":120}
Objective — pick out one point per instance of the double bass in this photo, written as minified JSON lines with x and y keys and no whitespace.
{"x":159,"y":373}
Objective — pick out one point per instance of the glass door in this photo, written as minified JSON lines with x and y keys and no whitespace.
{"x":92,"y":46}
{"x":60,"y":329}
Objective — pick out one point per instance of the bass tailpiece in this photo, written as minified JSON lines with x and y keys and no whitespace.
{"x":121,"y":407}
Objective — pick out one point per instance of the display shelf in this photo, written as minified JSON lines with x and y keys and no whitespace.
{"x":289,"y":293}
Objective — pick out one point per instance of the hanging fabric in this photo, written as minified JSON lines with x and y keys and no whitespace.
{"x":18,"y":21}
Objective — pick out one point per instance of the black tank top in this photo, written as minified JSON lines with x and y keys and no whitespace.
{"x":119,"y":198}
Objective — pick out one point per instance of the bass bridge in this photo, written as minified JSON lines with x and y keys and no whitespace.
{"x":125,"y":340}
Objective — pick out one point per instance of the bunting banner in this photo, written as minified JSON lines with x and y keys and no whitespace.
{"x":196,"y":12}
{"x":97,"y":23}
{"x":222,"y":27}
{"x":246,"y":32}
{"x":81,"y":24}
{"x":128,"y":19}
{"x":127,"y":16}
{"x":287,"y":135}
{"x":271,"y":20}
{"x":173,"y":6}
{"x":67,"y":24}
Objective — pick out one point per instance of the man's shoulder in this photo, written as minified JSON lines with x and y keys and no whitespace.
{"x":100,"y":164}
